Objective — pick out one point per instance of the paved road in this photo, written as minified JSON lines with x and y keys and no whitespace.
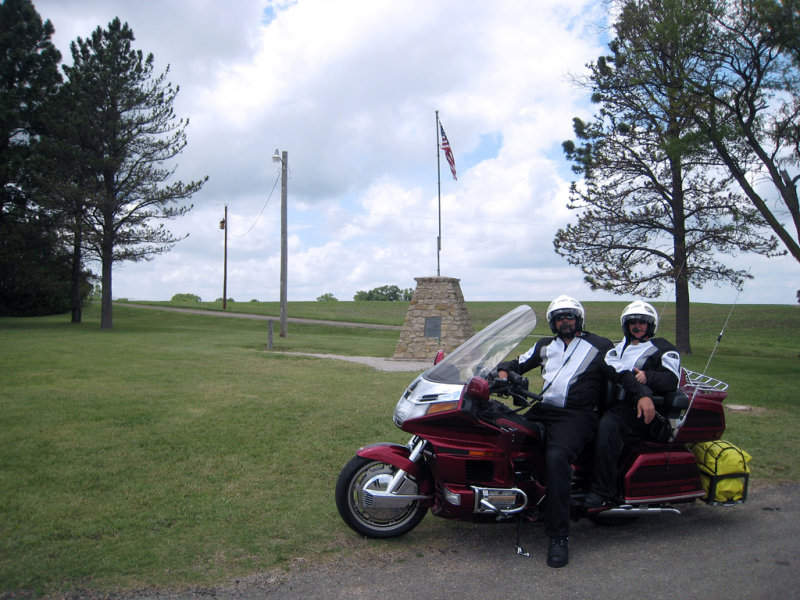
{"x":751,"y":551}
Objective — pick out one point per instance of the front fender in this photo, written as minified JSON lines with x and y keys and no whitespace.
{"x":392,"y":454}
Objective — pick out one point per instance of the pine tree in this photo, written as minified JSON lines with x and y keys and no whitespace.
{"x":34,"y":265}
{"x":654,"y":208}
{"x":124,"y":132}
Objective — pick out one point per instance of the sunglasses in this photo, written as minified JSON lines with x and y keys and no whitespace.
{"x":636,"y":322}
{"x":568,"y":316}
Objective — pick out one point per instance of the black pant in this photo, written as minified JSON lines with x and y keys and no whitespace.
{"x":617,"y":427}
{"x":567,"y":431}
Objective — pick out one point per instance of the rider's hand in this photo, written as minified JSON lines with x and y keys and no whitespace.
{"x":645,"y":408}
{"x":641,"y":376}
{"x":502,"y":374}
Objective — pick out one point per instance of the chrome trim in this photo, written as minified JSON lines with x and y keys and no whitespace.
{"x":689,"y":496}
{"x":704,"y":382}
{"x":630,"y":510}
{"x":381,"y":499}
{"x":399,"y":477}
{"x":483,"y":504}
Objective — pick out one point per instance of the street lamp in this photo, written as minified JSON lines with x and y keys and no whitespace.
{"x":284,"y":160}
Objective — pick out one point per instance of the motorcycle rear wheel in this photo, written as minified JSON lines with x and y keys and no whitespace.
{"x":363,"y":473}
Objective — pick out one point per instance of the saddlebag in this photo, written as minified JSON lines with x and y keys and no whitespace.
{"x":724,"y":471}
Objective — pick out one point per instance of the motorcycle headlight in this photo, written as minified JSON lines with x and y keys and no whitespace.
{"x":407,"y":408}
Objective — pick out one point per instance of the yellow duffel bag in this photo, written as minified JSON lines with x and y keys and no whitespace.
{"x":724,"y":471}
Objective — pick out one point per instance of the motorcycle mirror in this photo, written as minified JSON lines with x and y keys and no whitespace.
{"x":478,"y":388}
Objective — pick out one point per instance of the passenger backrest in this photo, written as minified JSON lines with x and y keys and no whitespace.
{"x":613,"y":393}
{"x":671,"y":405}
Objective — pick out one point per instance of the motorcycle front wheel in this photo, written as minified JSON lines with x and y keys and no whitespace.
{"x":361,"y":474}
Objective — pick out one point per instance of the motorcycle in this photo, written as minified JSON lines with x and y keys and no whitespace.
{"x":472,"y":457}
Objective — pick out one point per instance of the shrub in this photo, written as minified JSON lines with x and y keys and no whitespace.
{"x":390,"y":293}
{"x":185,"y":298}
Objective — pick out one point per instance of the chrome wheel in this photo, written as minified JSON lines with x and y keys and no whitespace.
{"x":360,"y":476}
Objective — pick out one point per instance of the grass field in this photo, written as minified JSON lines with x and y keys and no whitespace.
{"x":175,"y":450}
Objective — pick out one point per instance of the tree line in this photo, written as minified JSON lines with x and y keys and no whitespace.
{"x":693,"y":153}
{"x":86,"y":162}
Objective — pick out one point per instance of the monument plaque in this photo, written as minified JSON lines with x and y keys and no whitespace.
{"x":433,"y":327}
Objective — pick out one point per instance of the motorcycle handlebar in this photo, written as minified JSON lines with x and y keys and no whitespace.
{"x":515,"y":386}
{"x":531,"y":395}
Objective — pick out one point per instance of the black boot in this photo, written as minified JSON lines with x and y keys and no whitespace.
{"x":558,"y":554}
{"x":594,"y":501}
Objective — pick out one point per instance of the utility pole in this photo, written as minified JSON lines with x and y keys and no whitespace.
{"x":284,"y":159}
{"x":224,"y":225}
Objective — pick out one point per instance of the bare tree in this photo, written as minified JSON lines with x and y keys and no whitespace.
{"x":747,"y":88}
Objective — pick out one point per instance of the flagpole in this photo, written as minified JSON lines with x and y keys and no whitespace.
{"x":439,"y":184}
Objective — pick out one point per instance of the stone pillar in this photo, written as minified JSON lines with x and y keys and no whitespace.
{"x":437,"y":319}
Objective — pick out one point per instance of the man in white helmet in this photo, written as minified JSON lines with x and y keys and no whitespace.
{"x":575,"y":374}
{"x":656,"y":364}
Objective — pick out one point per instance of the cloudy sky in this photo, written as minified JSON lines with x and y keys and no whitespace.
{"x":349,"y":88}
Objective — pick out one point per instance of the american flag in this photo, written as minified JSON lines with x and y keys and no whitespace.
{"x":448,"y":153}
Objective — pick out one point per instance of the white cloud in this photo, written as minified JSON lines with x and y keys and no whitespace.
{"x":349,"y":88}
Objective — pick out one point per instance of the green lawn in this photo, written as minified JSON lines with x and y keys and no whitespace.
{"x":175,"y":450}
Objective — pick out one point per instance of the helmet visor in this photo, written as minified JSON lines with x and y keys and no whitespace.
{"x":565,"y":315}
{"x":638,"y":319}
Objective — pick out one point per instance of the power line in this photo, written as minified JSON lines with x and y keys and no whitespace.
{"x":274,"y":185}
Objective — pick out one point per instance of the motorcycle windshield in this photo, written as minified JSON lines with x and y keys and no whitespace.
{"x":480,"y":354}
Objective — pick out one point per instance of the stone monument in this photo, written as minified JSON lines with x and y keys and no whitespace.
{"x":437,"y":319}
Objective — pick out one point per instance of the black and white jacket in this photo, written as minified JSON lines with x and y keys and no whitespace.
{"x":574,"y":375}
{"x":657,"y":357}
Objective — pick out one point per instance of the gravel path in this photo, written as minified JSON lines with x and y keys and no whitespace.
{"x":381,"y":364}
{"x":219,"y":313}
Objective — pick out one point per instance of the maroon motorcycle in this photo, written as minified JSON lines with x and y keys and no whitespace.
{"x":474,"y":457}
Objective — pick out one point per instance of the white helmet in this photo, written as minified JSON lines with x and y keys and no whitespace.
{"x":640,"y":310}
{"x":565,"y":304}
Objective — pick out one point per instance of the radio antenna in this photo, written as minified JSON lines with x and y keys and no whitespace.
{"x":713,"y":351}
{"x":722,"y":331}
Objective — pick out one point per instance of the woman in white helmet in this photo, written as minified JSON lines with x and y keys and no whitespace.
{"x":575,"y":374}
{"x":656,"y":364}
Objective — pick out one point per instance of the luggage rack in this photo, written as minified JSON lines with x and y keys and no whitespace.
{"x":703,"y":383}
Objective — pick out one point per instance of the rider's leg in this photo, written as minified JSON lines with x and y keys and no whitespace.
{"x":608,"y":448}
